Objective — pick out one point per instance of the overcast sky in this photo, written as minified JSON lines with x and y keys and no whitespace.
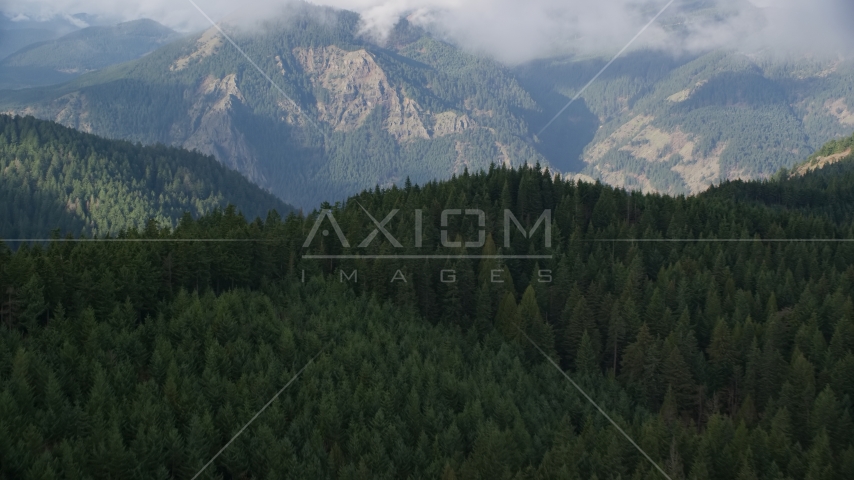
{"x":518,"y":30}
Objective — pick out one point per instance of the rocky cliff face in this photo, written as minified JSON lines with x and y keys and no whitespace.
{"x":207,"y":44}
{"x":207,"y":125}
{"x":211,"y":128}
{"x":355,"y":85}
{"x":820,"y":162}
{"x":643,"y":141}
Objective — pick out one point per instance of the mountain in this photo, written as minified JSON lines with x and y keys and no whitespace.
{"x":52,"y":177}
{"x":679,"y":125}
{"x":17,"y":31}
{"x":355,"y":114}
{"x":719,"y":359}
{"x":361,"y":114}
{"x":92,"y":48}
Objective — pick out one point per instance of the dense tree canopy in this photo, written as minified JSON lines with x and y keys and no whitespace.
{"x":710,"y":331}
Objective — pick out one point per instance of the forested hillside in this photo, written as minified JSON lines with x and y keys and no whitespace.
{"x":718,"y":338}
{"x":820,"y":185}
{"x":52,"y":177}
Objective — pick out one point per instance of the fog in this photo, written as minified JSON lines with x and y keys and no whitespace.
{"x":514,"y":31}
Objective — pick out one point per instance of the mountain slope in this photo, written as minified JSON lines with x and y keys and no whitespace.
{"x":91,"y":48}
{"x":54,"y":177}
{"x":820,"y":185}
{"x":679,"y":125}
{"x":417,"y":107}
{"x":831,"y":153}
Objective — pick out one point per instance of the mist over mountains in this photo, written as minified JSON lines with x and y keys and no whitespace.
{"x":514,"y":32}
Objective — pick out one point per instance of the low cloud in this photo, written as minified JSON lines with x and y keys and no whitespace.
{"x":514,"y":31}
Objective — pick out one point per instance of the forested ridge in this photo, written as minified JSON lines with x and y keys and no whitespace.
{"x":823,"y":191}
{"x":53,"y":177}
{"x":723,"y":359}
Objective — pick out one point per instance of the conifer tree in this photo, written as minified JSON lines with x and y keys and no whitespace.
{"x":641,"y":364}
{"x":677,"y":375}
{"x":580,"y":319}
{"x":587,"y":360}
{"x":506,"y":318}
{"x":820,"y":459}
{"x":529,"y":317}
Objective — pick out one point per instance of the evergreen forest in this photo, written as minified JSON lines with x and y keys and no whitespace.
{"x":717,"y":331}
{"x":53,"y":177}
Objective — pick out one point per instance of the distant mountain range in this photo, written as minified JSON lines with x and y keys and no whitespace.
{"x":18,"y":31}
{"x":357,"y":114}
{"x":93,"y":48}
